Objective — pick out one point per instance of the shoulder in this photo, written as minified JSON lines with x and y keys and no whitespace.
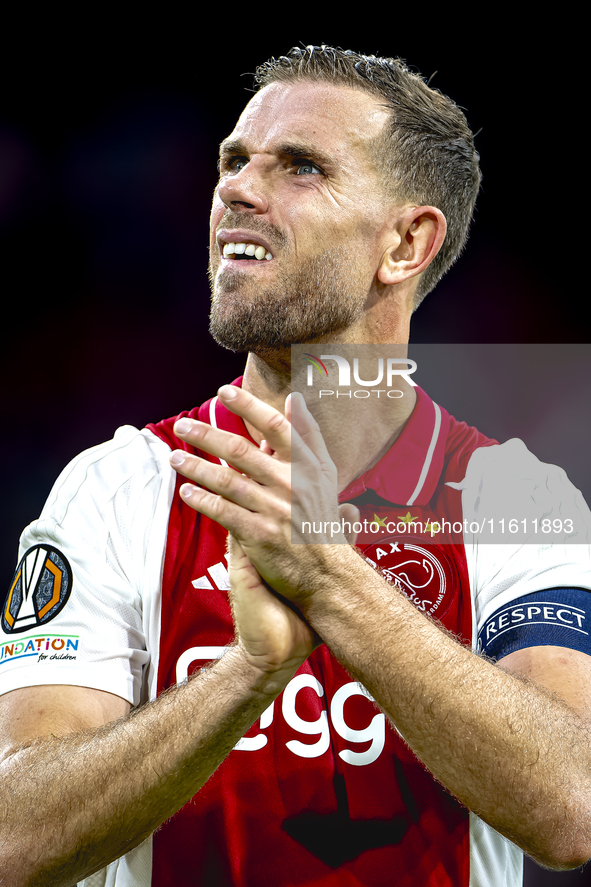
{"x":527,"y":527}
{"x":128,"y":474}
{"x":512,"y":458}
{"x":130,"y":451}
{"x":512,"y":483}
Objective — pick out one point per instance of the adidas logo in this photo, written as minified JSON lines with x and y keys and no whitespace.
{"x":219,"y":575}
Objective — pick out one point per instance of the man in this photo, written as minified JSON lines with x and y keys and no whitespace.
{"x":126,"y":566}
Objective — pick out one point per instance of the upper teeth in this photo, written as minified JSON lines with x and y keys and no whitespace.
{"x":248,"y":249}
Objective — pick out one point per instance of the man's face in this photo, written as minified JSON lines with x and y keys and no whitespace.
{"x":299,"y":185}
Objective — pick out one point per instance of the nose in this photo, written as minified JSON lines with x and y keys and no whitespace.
{"x":245,"y":191}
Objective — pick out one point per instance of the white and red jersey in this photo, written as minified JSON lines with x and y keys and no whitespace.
{"x":123,"y":587}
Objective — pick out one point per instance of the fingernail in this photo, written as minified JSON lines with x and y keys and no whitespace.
{"x":186,"y":490}
{"x":228,"y":391}
{"x":183,"y":426}
{"x":177,"y":458}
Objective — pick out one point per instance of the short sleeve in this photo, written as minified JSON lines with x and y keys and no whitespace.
{"x":80,"y":608}
{"x":527,"y":529}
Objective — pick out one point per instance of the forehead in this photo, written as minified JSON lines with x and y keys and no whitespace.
{"x":337,"y":119}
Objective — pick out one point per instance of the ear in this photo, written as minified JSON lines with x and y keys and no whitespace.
{"x":420,"y":232}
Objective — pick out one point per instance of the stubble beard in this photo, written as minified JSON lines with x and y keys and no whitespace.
{"x":323,"y":296}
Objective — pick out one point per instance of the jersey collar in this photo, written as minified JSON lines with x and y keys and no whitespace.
{"x":409,"y":472}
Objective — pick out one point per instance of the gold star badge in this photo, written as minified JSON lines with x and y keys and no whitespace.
{"x":407,"y":519}
{"x":380,"y":521}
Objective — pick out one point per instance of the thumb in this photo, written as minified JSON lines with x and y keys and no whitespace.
{"x":233,"y":547}
{"x":350,"y":514}
{"x":237,"y":557}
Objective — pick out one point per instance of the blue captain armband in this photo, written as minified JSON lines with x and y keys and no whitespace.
{"x":559,"y":617}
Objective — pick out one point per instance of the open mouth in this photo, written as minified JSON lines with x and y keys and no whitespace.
{"x":246,"y":251}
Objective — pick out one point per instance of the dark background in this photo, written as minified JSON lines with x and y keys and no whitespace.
{"x":108,"y":140}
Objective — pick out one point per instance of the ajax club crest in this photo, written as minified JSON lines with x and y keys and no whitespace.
{"x":39,"y":591}
{"x":424,"y":572}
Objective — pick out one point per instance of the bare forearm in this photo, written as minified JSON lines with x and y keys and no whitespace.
{"x":505,"y":748}
{"x":509,"y":751}
{"x":95,"y":795}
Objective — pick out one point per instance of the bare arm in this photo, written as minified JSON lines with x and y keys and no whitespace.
{"x":510,"y":750}
{"x":516,"y":752}
{"x":95,"y":787}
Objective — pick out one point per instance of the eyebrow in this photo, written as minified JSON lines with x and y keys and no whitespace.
{"x":232,"y":146}
{"x":289,"y":149}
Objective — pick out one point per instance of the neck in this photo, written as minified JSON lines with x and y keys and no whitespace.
{"x":358,"y":431}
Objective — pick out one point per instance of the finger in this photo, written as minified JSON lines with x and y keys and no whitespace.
{"x":234,"y":449}
{"x":224,"y":481}
{"x":272,"y":424}
{"x":244,"y":524}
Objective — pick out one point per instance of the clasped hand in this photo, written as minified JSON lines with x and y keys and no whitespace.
{"x":263,"y":500}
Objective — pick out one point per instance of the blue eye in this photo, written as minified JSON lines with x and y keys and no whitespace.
{"x":238,"y":164}
{"x":306,"y":168}
{"x":228,"y":164}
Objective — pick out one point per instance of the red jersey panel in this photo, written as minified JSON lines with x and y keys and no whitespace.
{"x":322,"y":791}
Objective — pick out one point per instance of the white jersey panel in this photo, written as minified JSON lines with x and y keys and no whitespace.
{"x":108,"y":514}
{"x":509,"y":482}
{"x":132,"y":870}
{"x":494,"y":861}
